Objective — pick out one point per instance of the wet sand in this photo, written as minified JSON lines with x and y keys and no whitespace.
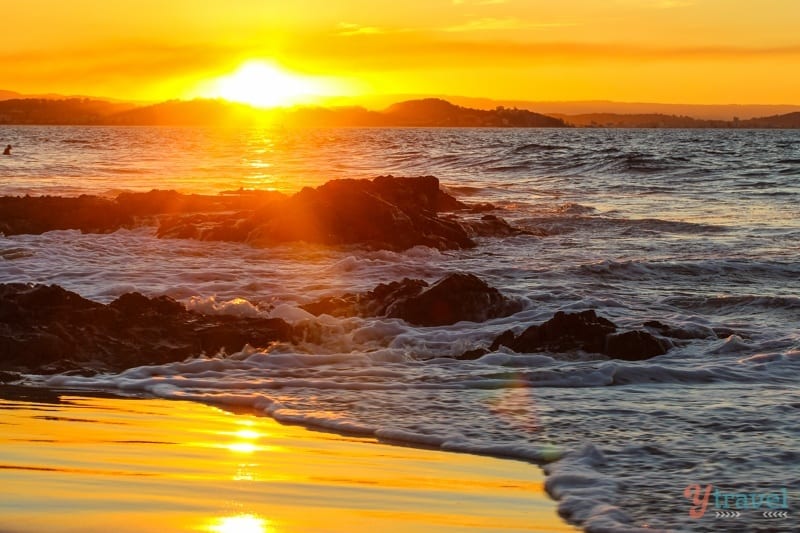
{"x":92,"y":464}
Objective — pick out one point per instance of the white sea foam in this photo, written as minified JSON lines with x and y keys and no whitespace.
{"x":209,"y":305}
{"x":668,"y":237}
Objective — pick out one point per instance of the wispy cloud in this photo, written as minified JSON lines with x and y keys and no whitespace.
{"x":347,"y":28}
{"x":657,"y":4}
{"x":420,"y":50}
{"x":496,"y":24}
{"x":479,"y":2}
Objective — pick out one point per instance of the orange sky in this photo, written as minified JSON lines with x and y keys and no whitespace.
{"x":686,"y":51}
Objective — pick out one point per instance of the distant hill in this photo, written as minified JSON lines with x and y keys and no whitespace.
{"x":614,"y":120}
{"x":185,"y":113}
{"x":790,"y":120}
{"x":698,"y":111}
{"x":378,"y":103}
{"x":70,"y":111}
{"x":14,"y":95}
{"x":438,"y":112}
{"x":425,"y":112}
{"x":9,"y":95}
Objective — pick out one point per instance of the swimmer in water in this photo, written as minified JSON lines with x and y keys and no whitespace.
{"x":7,"y":151}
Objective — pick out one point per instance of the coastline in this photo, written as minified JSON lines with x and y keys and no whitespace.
{"x":87,"y":462}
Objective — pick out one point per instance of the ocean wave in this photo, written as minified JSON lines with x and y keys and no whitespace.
{"x":574,"y":219}
{"x":724,"y":304}
{"x":15,"y":252}
{"x":536,"y":147}
{"x":732,"y":269}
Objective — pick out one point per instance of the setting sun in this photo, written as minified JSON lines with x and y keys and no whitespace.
{"x":264,"y":84}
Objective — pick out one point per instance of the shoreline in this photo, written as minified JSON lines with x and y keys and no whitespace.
{"x":171,"y":465}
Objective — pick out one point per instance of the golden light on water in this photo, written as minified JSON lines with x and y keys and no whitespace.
{"x":242,"y":447}
{"x":245,"y":523}
{"x":196,"y":484}
{"x":246,"y":441}
{"x":248,"y":434}
{"x":265,"y":84}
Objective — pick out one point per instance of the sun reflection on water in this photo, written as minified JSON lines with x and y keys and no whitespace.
{"x":242,"y":447}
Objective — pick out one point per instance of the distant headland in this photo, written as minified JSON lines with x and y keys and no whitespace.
{"x":423,"y":112}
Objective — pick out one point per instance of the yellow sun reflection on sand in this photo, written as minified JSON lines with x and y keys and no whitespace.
{"x":244,"y":523}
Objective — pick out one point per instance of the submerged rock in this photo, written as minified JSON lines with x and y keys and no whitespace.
{"x":47,"y":329}
{"x":454,"y":298}
{"x":585,"y":331}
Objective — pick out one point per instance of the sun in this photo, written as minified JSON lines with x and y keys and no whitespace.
{"x":265,"y":84}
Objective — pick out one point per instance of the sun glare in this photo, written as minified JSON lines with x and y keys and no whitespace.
{"x":244,"y":523}
{"x":264,"y":84}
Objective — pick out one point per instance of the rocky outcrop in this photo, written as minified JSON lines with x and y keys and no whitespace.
{"x":384,"y":213}
{"x":94,"y":214}
{"x":46,"y":329}
{"x":584,"y":331}
{"x":36,"y":215}
{"x":393,"y":213}
{"x":387,"y":212}
{"x":454,"y":298}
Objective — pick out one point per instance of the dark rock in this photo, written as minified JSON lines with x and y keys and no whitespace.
{"x":341,"y":306}
{"x":369,"y":304}
{"x":384,"y":213}
{"x":566,"y":332}
{"x":506,"y":338}
{"x":139,"y":306}
{"x":8,"y":377}
{"x":635,"y":345}
{"x":232,"y":333}
{"x":585,"y":331}
{"x":454,"y":298}
{"x":47,"y":329}
{"x":471,"y":355}
{"x":394,"y":213}
{"x":89,"y":214}
{"x":380,"y":300}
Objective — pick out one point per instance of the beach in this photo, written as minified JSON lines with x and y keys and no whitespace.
{"x":75,"y":463}
{"x":614,"y":310}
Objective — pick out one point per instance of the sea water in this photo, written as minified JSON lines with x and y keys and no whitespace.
{"x":699,"y":229}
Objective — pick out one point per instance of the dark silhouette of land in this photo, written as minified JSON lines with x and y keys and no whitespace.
{"x":422,"y":113}
{"x":427,"y":112}
{"x":725,"y":112}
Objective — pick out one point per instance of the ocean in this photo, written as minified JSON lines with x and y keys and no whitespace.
{"x":698,"y":229}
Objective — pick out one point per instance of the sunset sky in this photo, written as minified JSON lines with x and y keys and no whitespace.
{"x":686,"y":51}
